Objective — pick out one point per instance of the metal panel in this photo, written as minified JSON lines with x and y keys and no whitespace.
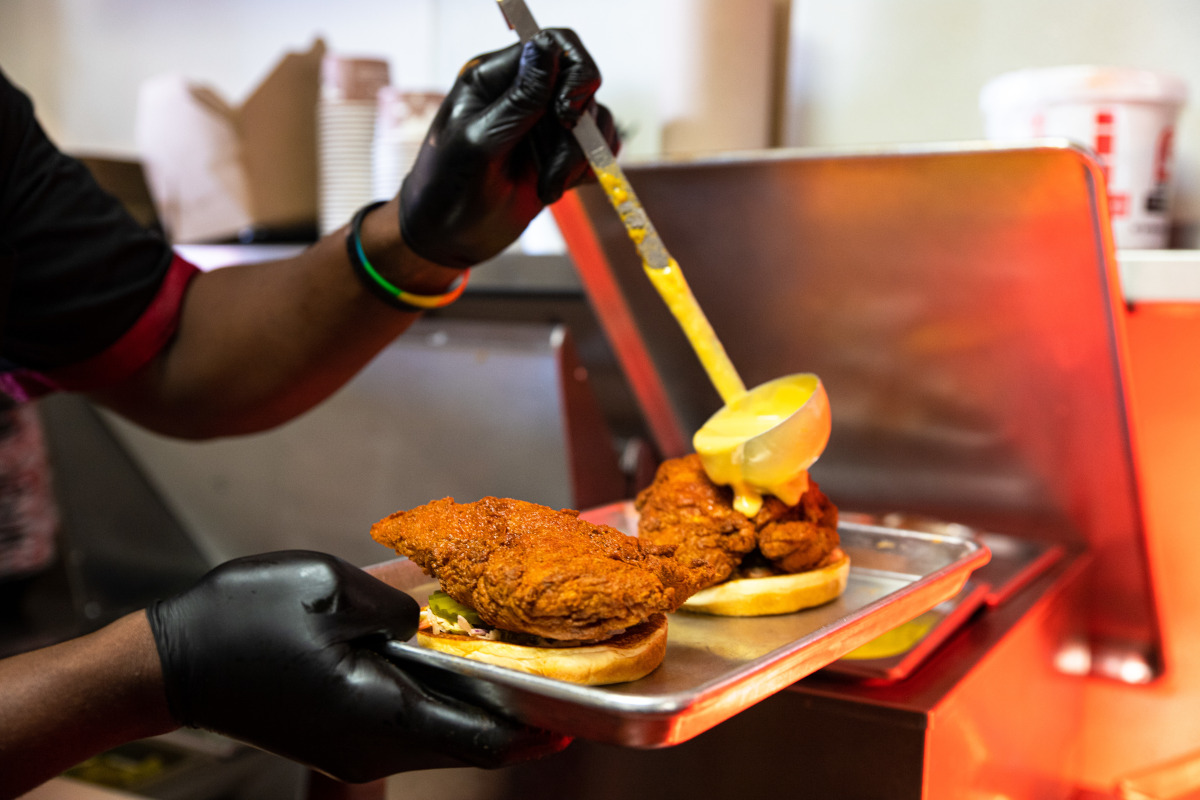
{"x":957,"y":301}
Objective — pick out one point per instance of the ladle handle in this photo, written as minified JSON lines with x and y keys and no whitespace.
{"x":664,"y":273}
{"x":612,"y":178}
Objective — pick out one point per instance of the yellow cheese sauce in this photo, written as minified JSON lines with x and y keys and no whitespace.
{"x":748,"y":497}
{"x":614,"y":187}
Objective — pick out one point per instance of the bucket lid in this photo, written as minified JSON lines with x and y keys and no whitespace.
{"x":1046,"y":86}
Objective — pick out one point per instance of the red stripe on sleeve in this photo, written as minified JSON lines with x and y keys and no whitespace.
{"x":135,"y":349}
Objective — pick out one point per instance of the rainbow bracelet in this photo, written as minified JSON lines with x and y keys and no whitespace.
{"x":380,"y":286}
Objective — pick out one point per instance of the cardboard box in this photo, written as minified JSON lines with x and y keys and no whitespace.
{"x":216,"y":171}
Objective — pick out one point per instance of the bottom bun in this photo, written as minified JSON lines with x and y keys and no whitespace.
{"x":625,"y":657}
{"x":774,"y":594}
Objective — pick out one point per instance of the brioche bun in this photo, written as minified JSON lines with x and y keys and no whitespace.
{"x":774,"y":594}
{"x":626,"y":656}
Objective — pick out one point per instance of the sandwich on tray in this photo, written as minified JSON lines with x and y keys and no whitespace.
{"x":780,"y":559}
{"x":540,"y":590}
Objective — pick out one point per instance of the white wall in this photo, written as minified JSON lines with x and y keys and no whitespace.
{"x":82,"y":60}
{"x":869,"y":71}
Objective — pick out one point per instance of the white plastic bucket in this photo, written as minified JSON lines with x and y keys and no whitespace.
{"x":1125,"y":116}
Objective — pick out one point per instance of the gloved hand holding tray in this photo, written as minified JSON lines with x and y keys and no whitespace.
{"x":715,"y":667}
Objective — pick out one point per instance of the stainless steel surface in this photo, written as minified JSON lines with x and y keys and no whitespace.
{"x":957,"y":301}
{"x":716,"y":667}
{"x":519,"y":18}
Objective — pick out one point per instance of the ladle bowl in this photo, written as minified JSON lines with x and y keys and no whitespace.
{"x":764,"y":441}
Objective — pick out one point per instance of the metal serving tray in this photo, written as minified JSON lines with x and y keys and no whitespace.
{"x":1014,"y":563}
{"x":715,"y":667}
{"x":927,"y":632}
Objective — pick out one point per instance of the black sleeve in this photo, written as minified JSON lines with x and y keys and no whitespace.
{"x":77,"y":270}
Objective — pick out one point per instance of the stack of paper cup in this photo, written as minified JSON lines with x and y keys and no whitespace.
{"x":400,"y":127}
{"x":1125,"y":116}
{"x":345,"y":135}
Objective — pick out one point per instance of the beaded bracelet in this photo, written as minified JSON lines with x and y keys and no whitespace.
{"x":380,"y":286}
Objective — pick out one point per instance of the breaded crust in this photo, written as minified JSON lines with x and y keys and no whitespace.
{"x":532,"y":569}
{"x":686,"y":511}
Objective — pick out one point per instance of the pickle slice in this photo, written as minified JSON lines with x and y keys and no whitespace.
{"x":450,"y":609}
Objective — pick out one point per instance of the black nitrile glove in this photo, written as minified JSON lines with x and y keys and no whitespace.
{"x":500,"y":149}
{"x":279,"y":651}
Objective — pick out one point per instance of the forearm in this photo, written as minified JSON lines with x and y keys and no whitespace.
{"x":259,"y":344}
{"x":62,"y":704}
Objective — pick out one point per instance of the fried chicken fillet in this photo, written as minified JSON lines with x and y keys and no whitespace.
{"x":684,"y":510}
{"x":528,"y":568}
